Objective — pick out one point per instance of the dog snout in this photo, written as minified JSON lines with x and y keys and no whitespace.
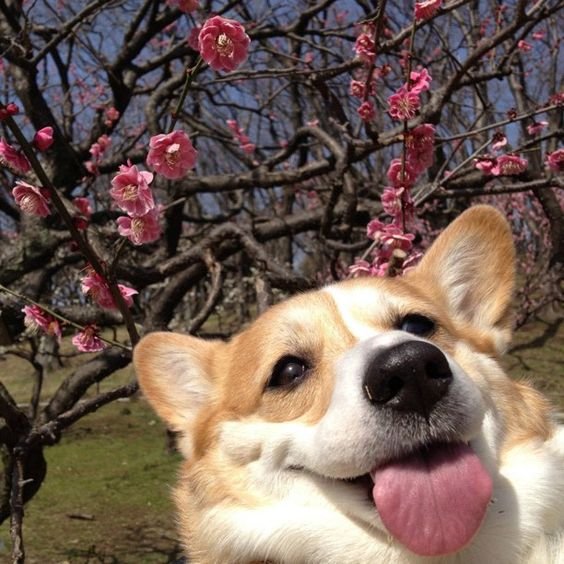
{"x":411,"y":376}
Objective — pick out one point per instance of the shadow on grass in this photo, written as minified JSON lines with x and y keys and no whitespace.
{"x":549,"y":332}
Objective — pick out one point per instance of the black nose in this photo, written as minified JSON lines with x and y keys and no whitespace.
{"x":412,"y":376}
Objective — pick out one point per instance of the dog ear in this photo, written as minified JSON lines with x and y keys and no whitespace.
{"x":174,"y":374}
{"x":473,"y":265}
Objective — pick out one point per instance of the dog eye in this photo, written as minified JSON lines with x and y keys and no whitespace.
{"x":417,"y":324}
{"x":288,"y":371}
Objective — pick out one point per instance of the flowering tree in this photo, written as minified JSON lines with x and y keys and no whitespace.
{"x":185,"y":165}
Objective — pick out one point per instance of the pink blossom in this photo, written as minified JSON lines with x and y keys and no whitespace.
{"x":499,"y":140}
{"x":233,"y":126}
{"x":555,"y":160}
{"x":13,"y":159}
{"x":112,"y":114}
{"x":99,"y":148}
{"x":193,"y":38}
{"x":411,"y":261}
{"x":536,"y":127}
{"x":379,"y":267}
{"x":239,"y":134}
{"x":91,"y":167}
{"x":357,"y":88}
{"x":523,"y":46}
{"x":9,"y":109}
{"x":223,"y":43}
{"x":185,"y":6}
{"x":399,"y":177}
{"x":37,"y":318}
{"x":43,"y":138}
{"x":248,"y":148}
{"x":98,"y":289}
{"x":87,"y":340}
{"x":557,"y":99}
{"x":82,"y":218}
{"x":426,"y":9}
{"x":366,"y":111}
{"x":83,"y":206}
{"x":130,"y":190}
{"x":171,"y":154}
{"x":364,"y":47}
{"x":485,"y":164}
{"x":419,"y":81}
{"x":140,"y":229}
{"x":375,"y":229}
{"x":359,"y":268}
{"x":341,"y":17}
{"x":538,"y":35}
{"x":31,"y":199}
{"x":404,"y":104}
{"x":509,"y":165}
{"x":391,"y":200}
{"x":420,"y":142}
{"x":393,"y":238}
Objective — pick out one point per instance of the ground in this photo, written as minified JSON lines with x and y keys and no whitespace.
{"x":106,"y":496}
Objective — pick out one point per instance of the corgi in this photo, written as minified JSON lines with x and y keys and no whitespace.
{"x":367,"y":422}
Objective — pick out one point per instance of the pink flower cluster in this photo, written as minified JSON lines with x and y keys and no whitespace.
{"x":97,"y":150}
{"x":36,"y":318}
{"x":241,"y":137}
{"x":112,"y":115}
{"x":405,"y":102}
{"x":133,"y":195}
{"x":96,"y":286}
{"x":398,"y":203}
{"x":364,"y":46}
{"x":504,"y":165}
{"x":363,"y":85}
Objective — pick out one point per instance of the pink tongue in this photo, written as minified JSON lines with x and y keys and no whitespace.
{"x":433,"y":502}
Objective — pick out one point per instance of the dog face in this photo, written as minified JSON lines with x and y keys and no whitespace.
{"x":366,"y":421}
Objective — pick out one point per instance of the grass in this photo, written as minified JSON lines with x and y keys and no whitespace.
{"x":106,"y":498}
{"x":537,"y":355}
{"x":107,"y":494}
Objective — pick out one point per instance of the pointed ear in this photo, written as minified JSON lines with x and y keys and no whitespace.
{"x":472,"y":263}
{"x":174,"y":372}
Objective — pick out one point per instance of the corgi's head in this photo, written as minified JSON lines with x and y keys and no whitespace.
{"x":368,"y":416}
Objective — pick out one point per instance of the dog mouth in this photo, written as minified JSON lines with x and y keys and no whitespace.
{"x":433,"y":500}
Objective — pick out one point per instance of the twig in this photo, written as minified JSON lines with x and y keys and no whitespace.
{"x":16,"y":507}
{"x":81,"y":241}
{"x":60,"y":317}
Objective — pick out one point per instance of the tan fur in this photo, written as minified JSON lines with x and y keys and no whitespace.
{"x":464,"y":284}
